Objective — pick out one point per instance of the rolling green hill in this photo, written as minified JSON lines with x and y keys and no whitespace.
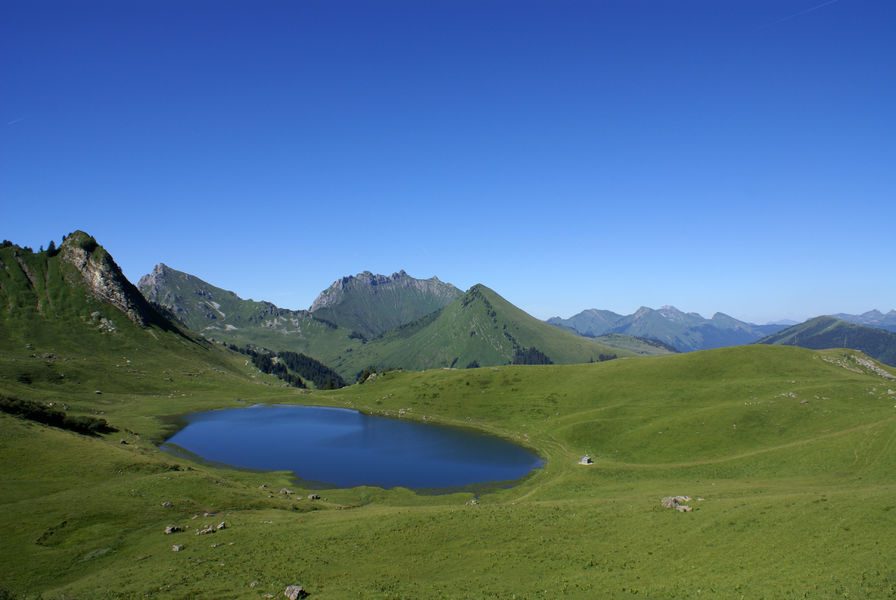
{"x":483,"y":329}
{"x":373,"y":304}
{"x":829,"y":332}
{"x":786,"y":454}
{"x":222,"y":315}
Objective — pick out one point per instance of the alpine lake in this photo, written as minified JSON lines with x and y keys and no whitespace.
{"x":336,"y":447}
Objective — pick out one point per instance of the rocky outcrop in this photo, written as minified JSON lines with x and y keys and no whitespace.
{"x":335,"y":294}
{"x":104,"y":278}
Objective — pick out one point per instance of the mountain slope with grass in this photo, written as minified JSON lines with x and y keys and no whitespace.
{"x":373,"y":304}
{"x":685,"y":332}
{"x":222,"y":315}
{"x":830,"y":332}
{"x":483,"y":329}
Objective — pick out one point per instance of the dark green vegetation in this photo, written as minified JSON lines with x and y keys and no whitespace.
{"x":829,"y":332}
{"x":291,"y":367}
{"x":787,"y":453}
{"x":48,"y":415}
{"x":684,"y":332}
{"x":371,"y":305}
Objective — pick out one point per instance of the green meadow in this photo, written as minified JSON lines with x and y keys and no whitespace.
{"x":788,"y":455}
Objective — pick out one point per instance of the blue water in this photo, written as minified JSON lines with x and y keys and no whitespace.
{"x":345,"y":448}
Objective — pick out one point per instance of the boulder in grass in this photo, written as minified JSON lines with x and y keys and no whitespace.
{"x":295,"y":592}
{"x":173,"y":529}
{"x":676,"y":502}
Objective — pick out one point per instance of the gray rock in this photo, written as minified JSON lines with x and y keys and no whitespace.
{"x":167,"y":504}
{"x":177,"y":547}
{"x":294,"y":592}
{"x":173,"y":529}
{"x":313,"y":497}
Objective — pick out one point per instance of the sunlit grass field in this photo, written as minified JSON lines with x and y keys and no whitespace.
{"x":789,"y":456}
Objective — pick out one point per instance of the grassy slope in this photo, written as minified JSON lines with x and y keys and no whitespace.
{"x":480,"y":326}
{"x":783,"y":481}
{"x":828,"y":332}
{"x":792,"y":451}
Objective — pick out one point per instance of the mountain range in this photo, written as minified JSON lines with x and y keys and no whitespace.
{"x":872,"y":318}
{"x":683,"y":331}
{"x":367,"y":320}
{"x":830,"y":332}
{"x":379,"y":321}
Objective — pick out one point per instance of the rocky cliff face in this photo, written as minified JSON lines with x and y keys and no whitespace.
{"x":104,"y":278}
{"x":371,"y":283}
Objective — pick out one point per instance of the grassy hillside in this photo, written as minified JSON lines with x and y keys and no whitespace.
{"x":786,"y":452}
{"x":480,"y":328}
{"x":828,"y":332}
{"x":222,"y":315}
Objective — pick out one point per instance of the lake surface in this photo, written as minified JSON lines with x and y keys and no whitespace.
{"x":345,"y":448}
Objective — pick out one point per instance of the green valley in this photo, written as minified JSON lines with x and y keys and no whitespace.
{"x":784,"y":451}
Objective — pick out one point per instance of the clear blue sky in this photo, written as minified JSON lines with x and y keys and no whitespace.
{"x":735,"y":156}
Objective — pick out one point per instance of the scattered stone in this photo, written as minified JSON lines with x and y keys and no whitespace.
{"x":98,"y":392}
{"x":313,"y":497}
{"x":253,"y":584}
{"x":221,"y":525}
{"x":473,"y":501}
{"x":294,"y":592}
{"x":167,"y":504}
{"x":206,"y":529}
{"x":586,"y":460}
{"x":683,"y":508}
{"x":285,"y":491}
{"x":173,"y":529}
{"x":177,"y":547}
{"x":209,"y":514}
{"x":123,"y":441}
{"x":263,"y":486}
{"x":675,"y":502}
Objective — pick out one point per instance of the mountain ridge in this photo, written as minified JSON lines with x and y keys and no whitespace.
{"x":683,"y":331}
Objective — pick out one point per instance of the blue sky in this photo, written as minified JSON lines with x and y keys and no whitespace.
{"x":735,"y":156}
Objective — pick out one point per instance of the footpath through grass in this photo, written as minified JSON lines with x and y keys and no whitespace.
{"x":789,"y":456}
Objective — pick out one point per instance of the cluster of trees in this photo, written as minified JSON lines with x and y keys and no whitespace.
{"x":323,"y":377}
{"x":267,"y":362}
{"x":291,"y":367}
{"x":530,"y":356}
{"x":26,"y":409}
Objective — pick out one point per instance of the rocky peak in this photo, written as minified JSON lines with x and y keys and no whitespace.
{"x":365,"y":280}
{"x":103,"y":276}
